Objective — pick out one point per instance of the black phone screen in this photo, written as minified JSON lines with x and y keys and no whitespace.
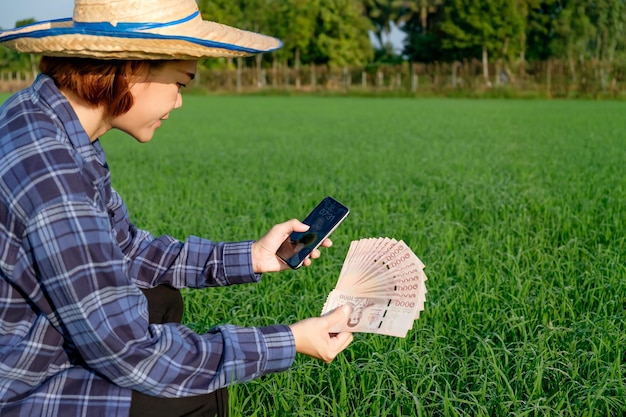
{"x":323,"y":220}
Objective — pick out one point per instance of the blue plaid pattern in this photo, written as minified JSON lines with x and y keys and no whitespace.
{"x":74,"y":332}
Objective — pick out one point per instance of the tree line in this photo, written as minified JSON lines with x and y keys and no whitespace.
{"x":335,"y":32}
{"x":497,"y":33}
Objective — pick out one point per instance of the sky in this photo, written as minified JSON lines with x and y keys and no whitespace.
{"x":396,"y":37}
{"x":14,"y":10}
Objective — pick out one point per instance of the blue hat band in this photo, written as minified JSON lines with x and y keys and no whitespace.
{"x":127,"y":26}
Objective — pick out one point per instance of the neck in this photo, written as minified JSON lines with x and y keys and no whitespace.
{"x":91,"y":118}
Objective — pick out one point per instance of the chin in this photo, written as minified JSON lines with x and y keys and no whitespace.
{"x":144,"y":137}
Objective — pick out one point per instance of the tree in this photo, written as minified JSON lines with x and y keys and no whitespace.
{"x":608,"y":17}
{"x":381,"y":14}
{"x":295,"y":23}
{"x":18,"y":62}
{"x":524,"y":8}
{"x":475,"y":27}
{"x":425,"y":45}
{"x":341,"y":36}
{"x":331,"y":32}
{"x":559,"y":30}
{"x":223,"y":11}
{"x":412,"y":10}
{"x":540,"y":30}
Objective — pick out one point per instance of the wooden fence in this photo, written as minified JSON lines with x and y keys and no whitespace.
{"x":11,"y":81}
{"x":544,"y":79}
{"x":541,"y":79}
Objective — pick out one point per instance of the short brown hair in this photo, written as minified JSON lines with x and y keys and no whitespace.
{"x":98,"y":82}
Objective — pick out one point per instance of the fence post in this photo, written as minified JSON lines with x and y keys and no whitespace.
{"x":260,"y":78}
{"x":297,"y":70}
{"x":274,"y":73}
{"x":414,"y":78}
{"x":287,"y":77}
{"x":346,"y":78}
{"x":549,"y":79}
{"x":313,"y":77}
{"x":453,"y":75}
{"x":239,"y":68}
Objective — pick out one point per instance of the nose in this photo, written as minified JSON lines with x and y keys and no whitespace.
{"x":179,"y":100}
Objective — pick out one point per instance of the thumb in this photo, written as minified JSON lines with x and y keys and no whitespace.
{"x":340,"y":314}
{"x":297,"y":226}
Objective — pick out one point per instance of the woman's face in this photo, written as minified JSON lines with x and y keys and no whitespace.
{"x":154,"y":97}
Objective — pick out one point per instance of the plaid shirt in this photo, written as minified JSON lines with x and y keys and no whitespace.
{"x":74,"y":332}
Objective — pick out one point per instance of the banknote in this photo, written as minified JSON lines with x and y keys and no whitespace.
{"x":393,"y":317}
{"x":379,"y":269}
{"x":385,"y":283}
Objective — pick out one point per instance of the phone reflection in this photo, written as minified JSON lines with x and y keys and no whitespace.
{"x":291,"y":249}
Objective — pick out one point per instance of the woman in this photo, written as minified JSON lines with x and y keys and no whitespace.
{"x":88,"y":302}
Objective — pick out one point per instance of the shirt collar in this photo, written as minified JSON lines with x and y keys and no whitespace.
{"x":61,"y":111}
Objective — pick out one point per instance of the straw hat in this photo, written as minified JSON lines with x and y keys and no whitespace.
{"x":136,"y":29}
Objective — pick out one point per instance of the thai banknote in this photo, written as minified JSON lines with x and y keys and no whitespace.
{"x":385,"y":283}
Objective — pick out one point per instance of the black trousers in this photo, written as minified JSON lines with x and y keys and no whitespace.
{"x":165,"y":305}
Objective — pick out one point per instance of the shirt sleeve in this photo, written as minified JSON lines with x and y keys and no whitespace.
{"x":91,"y":299}
{"x":194,"y":263}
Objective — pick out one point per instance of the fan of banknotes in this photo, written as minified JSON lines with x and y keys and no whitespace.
{"x":385,"y":283}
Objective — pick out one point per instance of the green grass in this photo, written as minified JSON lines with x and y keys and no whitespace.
{"x":517,"y":208}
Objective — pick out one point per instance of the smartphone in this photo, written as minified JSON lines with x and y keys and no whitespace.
{"x":323,"y":220}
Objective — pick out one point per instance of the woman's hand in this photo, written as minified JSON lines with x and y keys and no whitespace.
{"x":264,"y":258}
{"x":313,"y":336}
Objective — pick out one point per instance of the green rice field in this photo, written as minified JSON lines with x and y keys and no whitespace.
{"x":517,"y":208}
